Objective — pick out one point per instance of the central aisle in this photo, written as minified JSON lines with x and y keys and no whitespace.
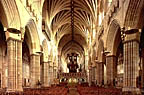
{"x":72,"y":89}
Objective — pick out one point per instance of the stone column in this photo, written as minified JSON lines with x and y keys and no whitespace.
{"x":59,"y":62}
{"x":100,"y":73}
{"x":111,"y":70}
{"x":34,"y":69}
{"x":45,"y":74}
{"x":95,"y":70}
{"x":55,"y":72}
{"x":14,"y":52}
{"x":142,"y":62}
{"x":4,"y":66}
{"x":51,"y":73}
{"x":131,"y":61}
{"x":90,"y":75}
{"x":19,"y":65}
{"x":93,"y":74}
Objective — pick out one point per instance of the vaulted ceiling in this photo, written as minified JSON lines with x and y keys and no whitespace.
{"x":70,"y":22}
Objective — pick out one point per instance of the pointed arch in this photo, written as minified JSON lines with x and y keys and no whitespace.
{"x":113,"y":36}
{"x":33,"y":37}
{"x":10,"y":14}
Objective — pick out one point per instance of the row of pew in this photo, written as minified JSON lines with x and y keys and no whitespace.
{"x":86,"y":90}
{"x":57,"y":90}
{"x":63,"y":89}
{"x":54,"y":90}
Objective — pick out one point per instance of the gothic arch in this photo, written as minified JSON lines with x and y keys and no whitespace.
{"x":113,"y":37}
{"x":33,"y":37}
{"x":133,"y":13}
{"x":10,"y":15}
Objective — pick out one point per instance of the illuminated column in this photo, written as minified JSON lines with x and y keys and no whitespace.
{"x":86,"y":67}
{"x":4,"y":66}
{"x":37,"y":67}
{"x":90,"y":75}
{"x":45,"y":74}
{"x":94,"y":74}
{"x":34,"y":69}
{"x":86,"y":62}
{"x":111,"y":69}
{"x":54,"y":72}
{"x":99,"y":73}
{"x":51,"y":72}
{"x":59,"y":62}
{"x":14,"y":52}
{"x":131,"y":58}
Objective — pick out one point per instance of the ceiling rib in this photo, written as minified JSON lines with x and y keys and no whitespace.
{"x":72,"y":19}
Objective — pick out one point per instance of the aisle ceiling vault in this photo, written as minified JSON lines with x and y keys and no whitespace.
{"x":70,"y":22}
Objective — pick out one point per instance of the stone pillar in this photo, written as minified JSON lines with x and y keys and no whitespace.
{"x":55,"y":72}
{"x":45,"y":74}
{"x":34,"y":70}
{"x":142,"y":62}
{"x":51,"y":72}
{"x":100,"y":73}
{"x":90,"y":75}
{"x":93,"y":74}
{"x":131,"y":62}
{"x":4,"y":66}
{"x":111,"y":70}
{"x":14,"y":52}
{"x":19,"y":65}
{"x":59,"y":62}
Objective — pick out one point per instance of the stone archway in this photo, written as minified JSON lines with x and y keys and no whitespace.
{"x":33,"y":37}
{"x":26,"y":63}
{"x":119,"y":66}
{"x":133,"y":14}
{"x":10,"y":15}
{"x":113,"y":33}
{"x":9,"y":12}
{"x":112,"y":44}
{"x":45,"y":74}
{"x":33,"y":43}
{"x":100,"y":64}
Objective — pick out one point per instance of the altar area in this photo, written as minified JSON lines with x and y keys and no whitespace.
{"x":79,"y":77}
{"x":76,"y":72}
